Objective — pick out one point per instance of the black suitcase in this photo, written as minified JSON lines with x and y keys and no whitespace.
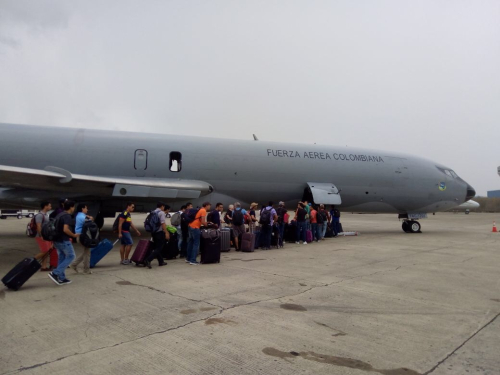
{"x":171,"y":248}
{"x":21,"y":273}
{"x":210,"y":245}
{"x":290,"y":232}
{"x":329,"y":231}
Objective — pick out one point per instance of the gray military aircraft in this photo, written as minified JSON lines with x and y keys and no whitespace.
{"x":107,"y":168}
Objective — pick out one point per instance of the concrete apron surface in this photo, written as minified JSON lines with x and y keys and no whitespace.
{"x":384,"y":302}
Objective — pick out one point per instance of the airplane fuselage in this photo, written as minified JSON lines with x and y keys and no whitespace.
{"x":368,"y":180}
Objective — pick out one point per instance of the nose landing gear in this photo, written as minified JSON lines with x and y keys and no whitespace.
{"x":411,"y":226}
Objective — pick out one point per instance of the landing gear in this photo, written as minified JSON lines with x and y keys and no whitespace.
{"x":411,"y":226}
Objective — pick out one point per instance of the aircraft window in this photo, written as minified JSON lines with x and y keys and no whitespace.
{"x":454,"y":174}
{"x":448,"y":173}
{"x":175,"y":164}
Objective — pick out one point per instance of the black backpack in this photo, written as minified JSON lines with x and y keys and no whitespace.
{"x":152,"y":222}
{"x":319,"y":217}
{"x":238,"y":217}
{"x":336,"y":213}
{"x":51,"y":230}
{"x":265,"y":217}
{"x":191,"y":215}
{"x":116,"y":223}
{"x":90,"y":234}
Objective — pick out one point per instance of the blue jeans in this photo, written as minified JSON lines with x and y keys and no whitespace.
{"x":314,"y":230}
{"x":179,"y":238}
{"x":335,"y":225}
{"x":281,"y":228}
{"x":323,"y":232}
{"x":301,"y":231}
{"x":319,"y":232}
{"x":266,"y":231}
{"x":66,"y":255}
{"x":193,"y":244}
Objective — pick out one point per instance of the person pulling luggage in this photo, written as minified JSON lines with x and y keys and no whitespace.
{"x":124,"y":225}
{"x":63,"y":245}
{"x":159,"y":232}
{"x":300,"y":218}
{"x":199,"y":220}
{"x":281,"y":212}
{"x":85,"y":255}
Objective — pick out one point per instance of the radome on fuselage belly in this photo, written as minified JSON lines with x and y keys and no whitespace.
{"x":108,"y":168}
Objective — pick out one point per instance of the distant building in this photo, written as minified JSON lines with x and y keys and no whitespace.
{"x":494,"y":194}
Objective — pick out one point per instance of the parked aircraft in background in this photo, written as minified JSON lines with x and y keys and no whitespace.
{"x":467,"y":206}
{"x":107,"y":168}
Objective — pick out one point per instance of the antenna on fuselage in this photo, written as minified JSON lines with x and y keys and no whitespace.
{"x":255,"y":137}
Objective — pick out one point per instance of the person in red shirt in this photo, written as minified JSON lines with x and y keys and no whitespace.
{"x":195,"y":233}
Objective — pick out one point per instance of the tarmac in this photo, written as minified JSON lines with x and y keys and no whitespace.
{"x":384,"y":302}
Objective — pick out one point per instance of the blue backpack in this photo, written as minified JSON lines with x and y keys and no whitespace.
{"x":152,"y":222}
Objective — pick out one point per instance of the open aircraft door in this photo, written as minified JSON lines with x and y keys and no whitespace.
{"x":324,"y":193}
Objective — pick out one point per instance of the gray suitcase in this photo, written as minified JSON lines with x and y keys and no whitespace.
{"x":225,"y":234}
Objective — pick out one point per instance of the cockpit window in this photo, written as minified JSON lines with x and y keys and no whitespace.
{"x":450,"y":173}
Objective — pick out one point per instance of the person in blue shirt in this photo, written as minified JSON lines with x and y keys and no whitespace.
{"x":84,"y":257}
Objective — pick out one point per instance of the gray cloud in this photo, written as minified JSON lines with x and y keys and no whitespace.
{"x":418,"y":77}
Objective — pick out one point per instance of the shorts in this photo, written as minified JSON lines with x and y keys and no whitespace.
{"x":127,"y":239}
{"x":238,"y":229}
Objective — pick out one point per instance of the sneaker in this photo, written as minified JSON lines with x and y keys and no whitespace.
{"x":54,"y":278}
{"x":297,"y":242}
{"x":305,"y":243}
{"x":65,"y":281}
{"x":147,"y":263}
{"x":126,"y":261}
{"x":89,"y":272}
{"x":123,"y":262}
{"x":163,"y":264}
{"x":187,"y":261}
{"x":194,"y":263}
{"x":73,"y":267}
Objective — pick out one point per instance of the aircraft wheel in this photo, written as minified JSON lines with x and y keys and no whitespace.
{"x":406,"y":226}
{"x":19,"y":216}
{"x":414,"y":226}
{"x":99,"y":220}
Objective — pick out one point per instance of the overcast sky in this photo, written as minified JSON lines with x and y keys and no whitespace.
{"x":421,"y":77}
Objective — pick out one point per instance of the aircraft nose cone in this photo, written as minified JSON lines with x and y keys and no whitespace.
{"x":471,"y":193}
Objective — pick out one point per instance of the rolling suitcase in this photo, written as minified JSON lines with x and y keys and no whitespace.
{"x":171,"y":250}
{"x":100,"y":251}
{"x":210,"y":245}
{"x":329,"y":231}
{"x":248,"y":242}
{"x":142,"y":250}
{"x":21,"y":273}
{"x":225,"y":236}
{"x":291,"y":232}
{"x":309,"y":236}
{"x":275,"y":237}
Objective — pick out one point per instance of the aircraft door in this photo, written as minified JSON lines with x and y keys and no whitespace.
{"x":323,"y":193}
{"x":140,"y":162}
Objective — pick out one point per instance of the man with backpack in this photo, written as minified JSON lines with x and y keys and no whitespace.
{"x":325,"y":217}
{"x":268,"y":217}
{"x":335,"y":213}
{"x":123,"y":224}
{"x":39,"y":219}
{"x":214,"y":216}
{"x":281,"y":212}
{"x":176,"y":221}
{"x":300,"y":218}
{"x":238,"y":220}
{"x":155,"y":224}
{"x":185,"y":231}
{"x":62,"y":243}
{"x":81,"y":217}
{"x":196,"y":218}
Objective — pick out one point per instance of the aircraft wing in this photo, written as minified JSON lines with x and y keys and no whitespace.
{"x":60,"y":180}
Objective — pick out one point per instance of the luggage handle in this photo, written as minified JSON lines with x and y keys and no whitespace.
{"x":114,"y":243}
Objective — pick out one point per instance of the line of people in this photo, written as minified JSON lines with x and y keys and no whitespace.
{"x":188,"y":222}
